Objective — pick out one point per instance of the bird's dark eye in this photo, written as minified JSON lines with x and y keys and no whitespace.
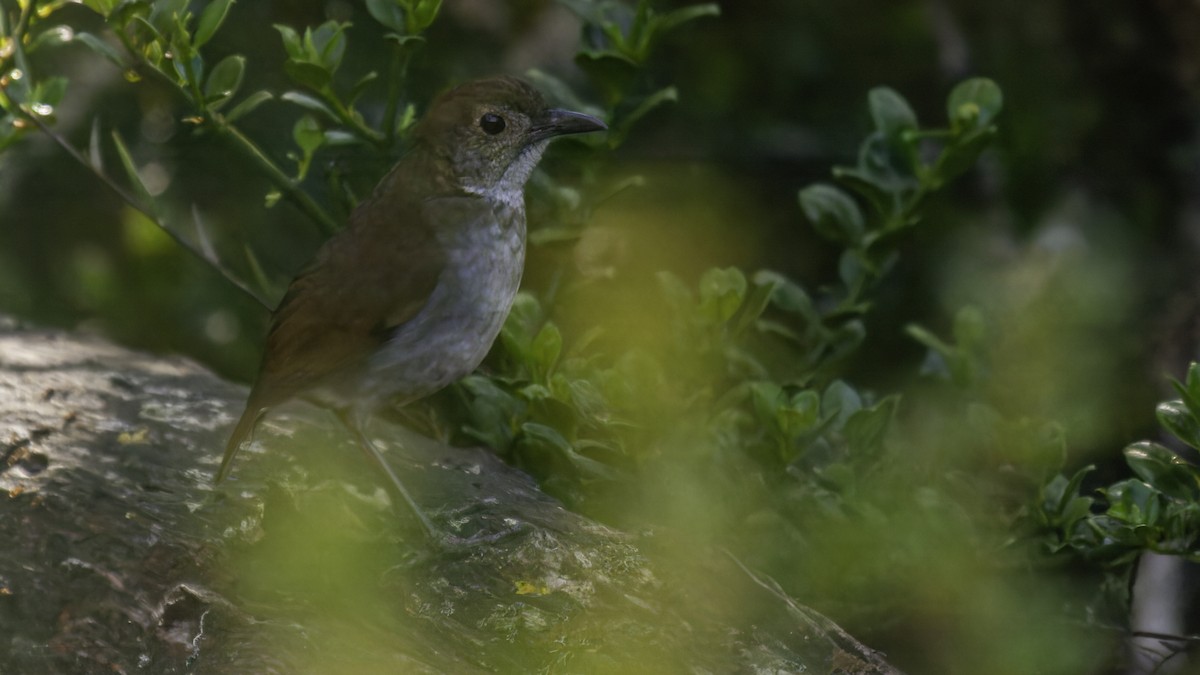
{"x":491,"y":123}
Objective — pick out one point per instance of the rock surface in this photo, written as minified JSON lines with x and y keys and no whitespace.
{"x":118,"y":555}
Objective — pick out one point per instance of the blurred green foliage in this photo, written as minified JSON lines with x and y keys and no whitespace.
{"x":908,"y":412}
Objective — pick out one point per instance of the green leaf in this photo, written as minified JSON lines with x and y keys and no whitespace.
{"x":95,"y":157}
{"x":256,"y":268}
{"x":149,"y":34}
{"x":225,"y":78}
{"x":847,"y":338}
{"x":308,"y":74}
{"x":309,"y":103}
{"x":387,"y":12}
{"x":49,"y":92}
{"x":360,"y":86}
{"x":1068,"y":499}
{"x":50,"y":37}
{"x":677,"y":294}
{"x":752,"y":307}
{"x":1189,"y":389}
{"x":131,"y":169}
{"x":98,"y":45}
{"x":340,"y":137}
{"x":164,"y":14}
{"x":327,"y":44}
{"x":891,"y":113}
{"x":928,"y":339}
{"x":721,"y":293}
{"x":675,"y":18}
{"x":589,"y":10}
{"x":101,"y":7}
{"x":1134,"y":502}
{"x":865,"y":185}
{"x":969,"y":327}
{"x":959,"y":156}
{"x":973,"y":104}
{"x":544,"y":351}
{"x":559,"y":92}
{"x":833,"y":214}
{"x":853,"y":271}
{"x":610,"y":72}
{"x":210,"y":20}
{"x":840,"y":401}
{"x":884,"y":165}
{"x":1075,"y":510}
{"x":1167,"y":472}
{"x":866,"y":429}
{"x":787,"y":295}
{"x":291,"y":41}
{"x":248,"y":104}
{"x":801,"y":414}
{"x":425,"y":12}
{"x":1175,"y":416}
{"x":647,"y":104}
{"x":766,"y":397}
{"x":307,"y":134}
{"x":548,"y":446}
{"x":405,"y":41}
{"x":125,"y":12}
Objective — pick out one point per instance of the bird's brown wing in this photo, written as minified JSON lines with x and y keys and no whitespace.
{"x":346,"y":303}
{"x":363,"y":282}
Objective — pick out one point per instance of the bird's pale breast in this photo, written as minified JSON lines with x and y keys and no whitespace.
{"x":484,"y":244}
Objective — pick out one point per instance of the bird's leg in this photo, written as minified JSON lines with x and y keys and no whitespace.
{"x":354,"y":421}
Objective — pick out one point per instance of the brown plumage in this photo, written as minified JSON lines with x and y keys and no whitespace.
{"x":411,"y":294}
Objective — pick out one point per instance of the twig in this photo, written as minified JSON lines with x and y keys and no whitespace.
{"x":132,"y":201}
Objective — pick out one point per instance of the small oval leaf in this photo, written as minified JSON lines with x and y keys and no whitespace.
{"x":248,"y":104}
{"x":225,"y":78}
{"x":891,"y":113}
{"x":210,"y":20}
{"x":973,"y":104}
{"x":833,"y":214}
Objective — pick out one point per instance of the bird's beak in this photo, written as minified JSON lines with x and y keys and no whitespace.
{"x":557,"y":122}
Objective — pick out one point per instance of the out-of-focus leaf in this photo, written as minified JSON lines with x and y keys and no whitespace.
{"x":309,"y":103}
{"x":891,"y":113}
{"x":840,"y":401}
{"x":544,"y":351}
{"x":721,"y":292}
{"x":225,"y":78}
{"x":308,"y":74}
{"x":102,"y":48}
{"x":833,"y":214}
{"x":359,"y":87}
{"x":120,"y":16}
{"x":973,"y":104}
{"x":387,"y":12}
{"x":131,"y":169}
{"x":866,"y":429}
{"x":612,"y":73}
{"x":424,"y":14}
{"x":210,"y":20}
{"x":307,"y":134}
{"x":675,"y":18}
{"x":248,"y":104}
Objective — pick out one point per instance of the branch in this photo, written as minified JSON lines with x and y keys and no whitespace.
{"x":133,"y":202}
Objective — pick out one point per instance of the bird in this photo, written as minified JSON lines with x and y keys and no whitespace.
{"x":409,"y":296}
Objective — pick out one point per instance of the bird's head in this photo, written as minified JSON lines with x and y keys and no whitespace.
{"x":489,"y":134}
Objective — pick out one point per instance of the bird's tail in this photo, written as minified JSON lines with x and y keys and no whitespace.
{"x":241,"y":433}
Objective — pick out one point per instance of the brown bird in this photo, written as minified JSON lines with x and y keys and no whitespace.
{"x":411,"y":294}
